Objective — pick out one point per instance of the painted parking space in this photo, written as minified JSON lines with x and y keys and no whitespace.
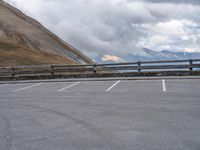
{"x":104,"y":86}
{"x":143,"y":87}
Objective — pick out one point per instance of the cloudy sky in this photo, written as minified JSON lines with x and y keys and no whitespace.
{"x":120,"y":26}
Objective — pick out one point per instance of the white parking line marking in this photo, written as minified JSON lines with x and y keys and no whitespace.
{"x":164,"y":86}
{"x":4,"y":85}
{"x":112,"y":86}
{"x":68,"y":86}
{"x":28,"y":87}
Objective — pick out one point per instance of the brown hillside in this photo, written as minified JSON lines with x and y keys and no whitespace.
{"x":24,"y":41}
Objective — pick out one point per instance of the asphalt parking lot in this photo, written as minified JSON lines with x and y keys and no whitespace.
{"x":101,"y":115}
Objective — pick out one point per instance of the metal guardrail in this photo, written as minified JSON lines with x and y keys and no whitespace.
{"x":140,"y":66}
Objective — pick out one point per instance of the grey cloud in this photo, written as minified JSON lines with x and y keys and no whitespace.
{"x":171,"y":1}
{"x":117,"y":26}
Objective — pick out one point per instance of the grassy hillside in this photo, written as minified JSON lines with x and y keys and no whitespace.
{"x":12,"y":55}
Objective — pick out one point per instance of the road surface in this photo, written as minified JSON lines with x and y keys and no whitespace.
{"x":101,"y":115}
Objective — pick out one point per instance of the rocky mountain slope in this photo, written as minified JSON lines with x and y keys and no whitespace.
{"x":24,"y":41}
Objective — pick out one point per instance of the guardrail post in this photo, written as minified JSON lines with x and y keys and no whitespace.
{"x":13,"y":72}
{"x":52,"y":70}
{"x":139,"y":66}
{"x":95,"y":68}
{"x":191,"y":64}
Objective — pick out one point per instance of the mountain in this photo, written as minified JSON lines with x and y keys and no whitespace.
{"x":108,"y":59}
{"x":24,"y":41}
{"x":150,"y":55}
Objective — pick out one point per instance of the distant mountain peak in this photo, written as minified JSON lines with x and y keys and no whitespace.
{"x":151,"y":55}
{"x":150,"y":52}
{"x":166,"y":51}
{"x":111,"y":58}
